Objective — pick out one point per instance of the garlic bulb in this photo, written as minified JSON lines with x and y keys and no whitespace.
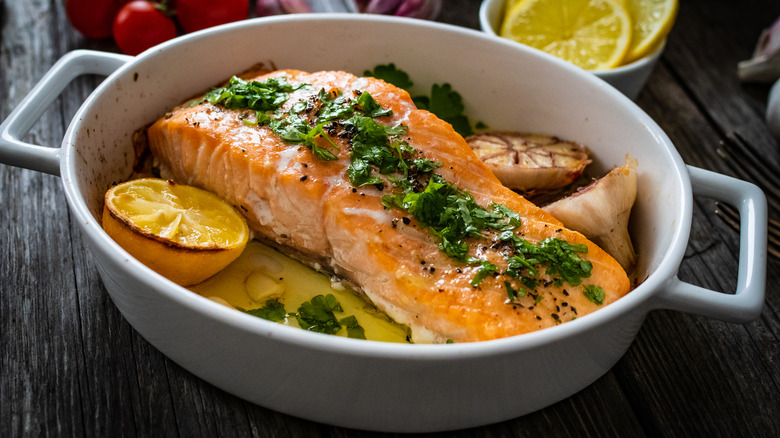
{"x":530,"y":162}
{"x":601,"y":210}
{"x":764,"y":66}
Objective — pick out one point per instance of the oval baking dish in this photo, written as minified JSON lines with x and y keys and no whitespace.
{"x":382,"y":386}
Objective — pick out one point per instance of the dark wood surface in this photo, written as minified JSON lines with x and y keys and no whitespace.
{"x":71,"y":365}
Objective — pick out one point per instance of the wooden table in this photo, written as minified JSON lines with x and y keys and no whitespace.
{"x":71,"y":365}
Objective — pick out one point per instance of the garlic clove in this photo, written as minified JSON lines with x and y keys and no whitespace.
{"x":764,"y":66}
{"x":773,"y":110}
{"x":601,"y":211}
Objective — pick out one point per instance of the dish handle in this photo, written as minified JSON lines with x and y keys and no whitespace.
{"x":745,"y":305}
{"x":18,"y":153}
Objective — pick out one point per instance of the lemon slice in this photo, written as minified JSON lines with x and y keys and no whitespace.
{"x":593,"y":34}
{"x":653,"y":20}
{"x":182,"y":232}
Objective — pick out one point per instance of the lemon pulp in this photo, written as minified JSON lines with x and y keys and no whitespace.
{"x":592,"y":34}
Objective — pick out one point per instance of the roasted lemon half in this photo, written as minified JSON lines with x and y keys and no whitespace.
{"x":182,"y":232}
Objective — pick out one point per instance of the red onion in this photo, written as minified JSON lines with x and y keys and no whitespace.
{"x":277,"y":7}
{"x":425,"y":9}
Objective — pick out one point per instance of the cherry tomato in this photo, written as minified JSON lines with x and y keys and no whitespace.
{"x":199,"y":14}
{"x":92,"y":18}
{"x":139,"y":25}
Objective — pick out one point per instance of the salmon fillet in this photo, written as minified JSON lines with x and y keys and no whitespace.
{"x":309,"y":208}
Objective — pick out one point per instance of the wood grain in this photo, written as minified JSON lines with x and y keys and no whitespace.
{"x":70,"y":365}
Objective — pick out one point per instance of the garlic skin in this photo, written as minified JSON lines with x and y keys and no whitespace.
{"x":764,"y":66}
{"x":773,"y":110}
{"x":601,"y":211}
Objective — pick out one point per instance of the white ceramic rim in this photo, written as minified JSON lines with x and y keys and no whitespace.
{"x":637,"y":299}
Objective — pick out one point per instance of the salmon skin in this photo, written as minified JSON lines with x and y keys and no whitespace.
{"x":307,"y":198}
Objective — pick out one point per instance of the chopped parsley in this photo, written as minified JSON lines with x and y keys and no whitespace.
{"x":452,"y":215}
{"x":255,"y":95}
{"x":273,"y":310}
{"x":315,"y":315}
{"x":594,"y":294}
{"x":379,"y":155}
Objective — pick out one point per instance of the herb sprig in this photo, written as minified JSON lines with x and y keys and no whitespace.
{"x":443,"y":101}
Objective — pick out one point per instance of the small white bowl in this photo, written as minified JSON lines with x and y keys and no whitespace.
{"x":629,"y":79}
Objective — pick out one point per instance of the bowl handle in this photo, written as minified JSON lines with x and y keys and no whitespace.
{"x":13,"y":150}
{"x":745,"y":305}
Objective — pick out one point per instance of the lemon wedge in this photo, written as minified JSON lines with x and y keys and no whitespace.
{"x":593,"y":34}
{"x":182,"y":232}
{"x":653,"y":20}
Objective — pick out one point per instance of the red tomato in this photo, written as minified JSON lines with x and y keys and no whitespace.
{"x":199,"y":14}
{"x":92,"y":18}
{"x":139,"y":25}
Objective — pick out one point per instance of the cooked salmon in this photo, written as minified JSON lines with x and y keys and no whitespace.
{"x":308,"y":207}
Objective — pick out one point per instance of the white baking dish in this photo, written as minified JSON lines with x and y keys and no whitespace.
{"x":365,"y":384}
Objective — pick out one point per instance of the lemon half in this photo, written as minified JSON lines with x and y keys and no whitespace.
{"x":182,"y":232}
{"x":593,"y":34}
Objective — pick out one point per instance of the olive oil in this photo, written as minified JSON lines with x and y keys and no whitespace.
{"x":262,"y":273}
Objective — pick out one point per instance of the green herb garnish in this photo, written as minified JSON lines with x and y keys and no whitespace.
{"x":317,"y":315}
{"x":378,"y":155}
{"x":273,"y":310}
{"x":259,"y":96}
{"x":443,"y":101}
{"x":594,"y":294}
{"x":392,"y":75}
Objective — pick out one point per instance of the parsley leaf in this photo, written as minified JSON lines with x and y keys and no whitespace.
{"x":594,"y":294}
{"x":259,"y":96}
{"x":354,"y":330}
{"x":370,"y":106}
{"x":486,"y":269}
{"x":333,"y":108}
{"x":444,"y":102}
{"x":370,"y":146}
{"x":392,"y":75}
{"x":272,"y":311}
{"x":317,"y":315}
{"x":447,"y":104}
{"x":563,"y":260}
